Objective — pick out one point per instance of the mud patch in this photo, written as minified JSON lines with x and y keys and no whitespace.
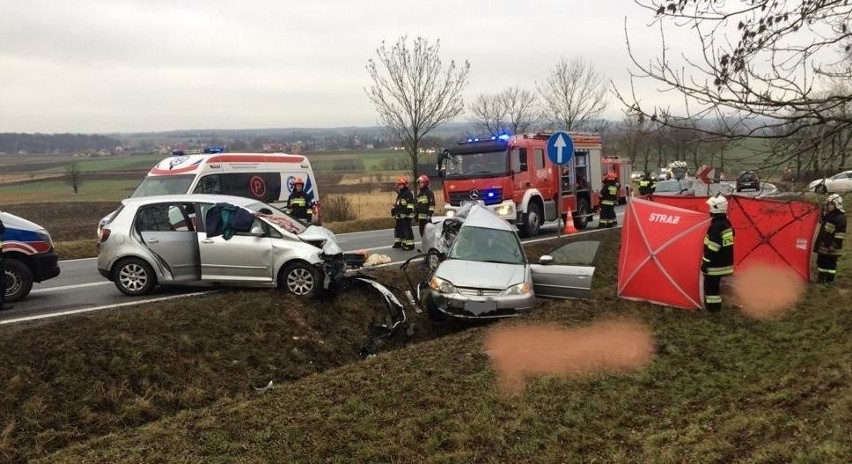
{"x":610,"y":346}
{"x":767,"y":292}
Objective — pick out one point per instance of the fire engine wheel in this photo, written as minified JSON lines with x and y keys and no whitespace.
{"x":532,"y":221}
{"x":581,"y":216}
{"x":301,"y":279}
{"x":19,"y":280}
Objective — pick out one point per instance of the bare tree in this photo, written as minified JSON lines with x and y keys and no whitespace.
{"x":574,"y":95}
{"x":513,"y":110}
{"x":412,"y":91}
{"x":488,"y":113}
{"x":73,"y":176}
{"x":522,"y":111}
{"x":776,"y":76}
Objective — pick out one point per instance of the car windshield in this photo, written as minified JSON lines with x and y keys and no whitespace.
{"x":278,"y":217}
{"x":842,"y":175}
{"x":668,"y":186}
{"x":487,"y":245}
{"x":163,"y":185}
{"x":477,"y":164}
{"x":748,"y":176}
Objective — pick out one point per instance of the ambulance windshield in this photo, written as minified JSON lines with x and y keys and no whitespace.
{"x":163,"y":185}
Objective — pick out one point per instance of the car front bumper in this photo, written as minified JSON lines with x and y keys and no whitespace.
{"x":481,"y":307}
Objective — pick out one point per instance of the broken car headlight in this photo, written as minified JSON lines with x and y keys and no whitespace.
{"x":522,"y":288}
{"x":441,"y":286}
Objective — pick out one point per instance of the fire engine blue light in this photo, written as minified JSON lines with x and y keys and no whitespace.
{"x":504,"y":137}
{"x":476,"y":140}
{"x":214,"y":150}
{"x":469,"y":140}
{"x":493,"y":138}
{"x":490,"y":194}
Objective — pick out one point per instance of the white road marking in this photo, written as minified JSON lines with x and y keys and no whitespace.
{"x":69,"y":287}
{"x":99,"y":308}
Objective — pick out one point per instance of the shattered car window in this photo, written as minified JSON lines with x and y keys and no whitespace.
{"x":487,"y":245}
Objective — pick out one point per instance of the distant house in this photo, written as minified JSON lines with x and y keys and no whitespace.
{"x":273,"y":147}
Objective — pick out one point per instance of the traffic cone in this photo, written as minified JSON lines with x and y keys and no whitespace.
{"x":569,"y":223}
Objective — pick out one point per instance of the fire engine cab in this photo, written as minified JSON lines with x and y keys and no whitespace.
{"x":513,"y":176}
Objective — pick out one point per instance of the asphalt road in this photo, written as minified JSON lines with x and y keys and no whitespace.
{"x":80,"y":288}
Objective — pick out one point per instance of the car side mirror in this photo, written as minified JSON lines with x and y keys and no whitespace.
{"x":545,"y":260}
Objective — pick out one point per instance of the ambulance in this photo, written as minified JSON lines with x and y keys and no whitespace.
{"x":266,"y":177}
{"x":28,"y":256}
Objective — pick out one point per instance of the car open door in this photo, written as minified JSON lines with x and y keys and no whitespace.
{"x":167,"y":229}
{"x":567,"y":271}
{"x":247,"y":256}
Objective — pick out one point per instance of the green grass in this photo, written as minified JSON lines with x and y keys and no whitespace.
{"x":171,"y":383}
{"x":57,"y":190}
{"x":142,"y":163}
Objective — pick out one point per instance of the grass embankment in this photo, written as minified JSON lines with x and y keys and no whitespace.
{"x":172,"y":384}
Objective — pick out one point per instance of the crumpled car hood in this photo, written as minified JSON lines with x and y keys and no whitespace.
{"x":476,"y":274}
{"x":321,"y":234}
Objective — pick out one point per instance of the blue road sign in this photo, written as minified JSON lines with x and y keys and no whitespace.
{"x":560,"y":148}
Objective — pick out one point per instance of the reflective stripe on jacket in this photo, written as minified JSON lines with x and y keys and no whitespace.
{"x":404,"y":206}
{"x":425,"y":203}
{"x":832,"y":231}
{"x":718,"y":259}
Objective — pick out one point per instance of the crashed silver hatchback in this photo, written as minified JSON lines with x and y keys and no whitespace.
{"x":485,"y":273}
{"x":214,"y":239}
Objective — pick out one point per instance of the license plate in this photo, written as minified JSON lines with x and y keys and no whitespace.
{"x":469,"y":202}
{"x":480,"y":307}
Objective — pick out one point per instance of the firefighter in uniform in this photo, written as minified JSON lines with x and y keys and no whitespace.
{"x":425,"y":202}
{"x":830,"y":239}
{"x":3,"y":305}
{"x":403,"y":212}
{"x":609,"y":197}
{"x":298,"y":205}
{"x":647,"y":185}
{"x":718,"y":259}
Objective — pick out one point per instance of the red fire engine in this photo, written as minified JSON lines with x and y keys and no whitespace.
{"x":514,"y":177}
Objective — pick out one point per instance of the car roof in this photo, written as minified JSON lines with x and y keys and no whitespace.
{"x":190,"y":197}
{"x":480,"y":216}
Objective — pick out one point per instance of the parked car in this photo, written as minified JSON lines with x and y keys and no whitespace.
{"x":486,"y":273}
{"x":748,"y":180}
{"x":675,"y":187}
{"x":214,"y":239}
{"x":840,"y":182}
{"x":28,"y":256}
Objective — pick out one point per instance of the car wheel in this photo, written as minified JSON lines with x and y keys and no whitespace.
{"x":581,"y":216}
{"x":532,"y":221}
{"x":301,"y":279}
{"x":821,"y":188}
{"x":19,"y":280}
{"x":134,"y":277}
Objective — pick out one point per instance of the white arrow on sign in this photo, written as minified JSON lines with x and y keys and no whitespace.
{"x":559,"y":144}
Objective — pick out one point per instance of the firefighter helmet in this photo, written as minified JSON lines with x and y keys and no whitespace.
{"x":402,"y":180}
{"x":298,"y":181}
{"x":718,"y":204}
{"x":424,"y":179}
{"x":837,"y":200}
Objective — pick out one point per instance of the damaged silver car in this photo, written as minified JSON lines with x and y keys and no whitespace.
{"x":215,"y":239}
{"x":485,"y":272}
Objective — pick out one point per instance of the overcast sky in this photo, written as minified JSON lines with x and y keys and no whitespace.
{"x":152,"y":65}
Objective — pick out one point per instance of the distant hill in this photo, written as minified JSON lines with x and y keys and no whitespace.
{"x":13,"y":143}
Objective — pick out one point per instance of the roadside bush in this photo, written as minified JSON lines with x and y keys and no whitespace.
{"x":337,"y":208}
